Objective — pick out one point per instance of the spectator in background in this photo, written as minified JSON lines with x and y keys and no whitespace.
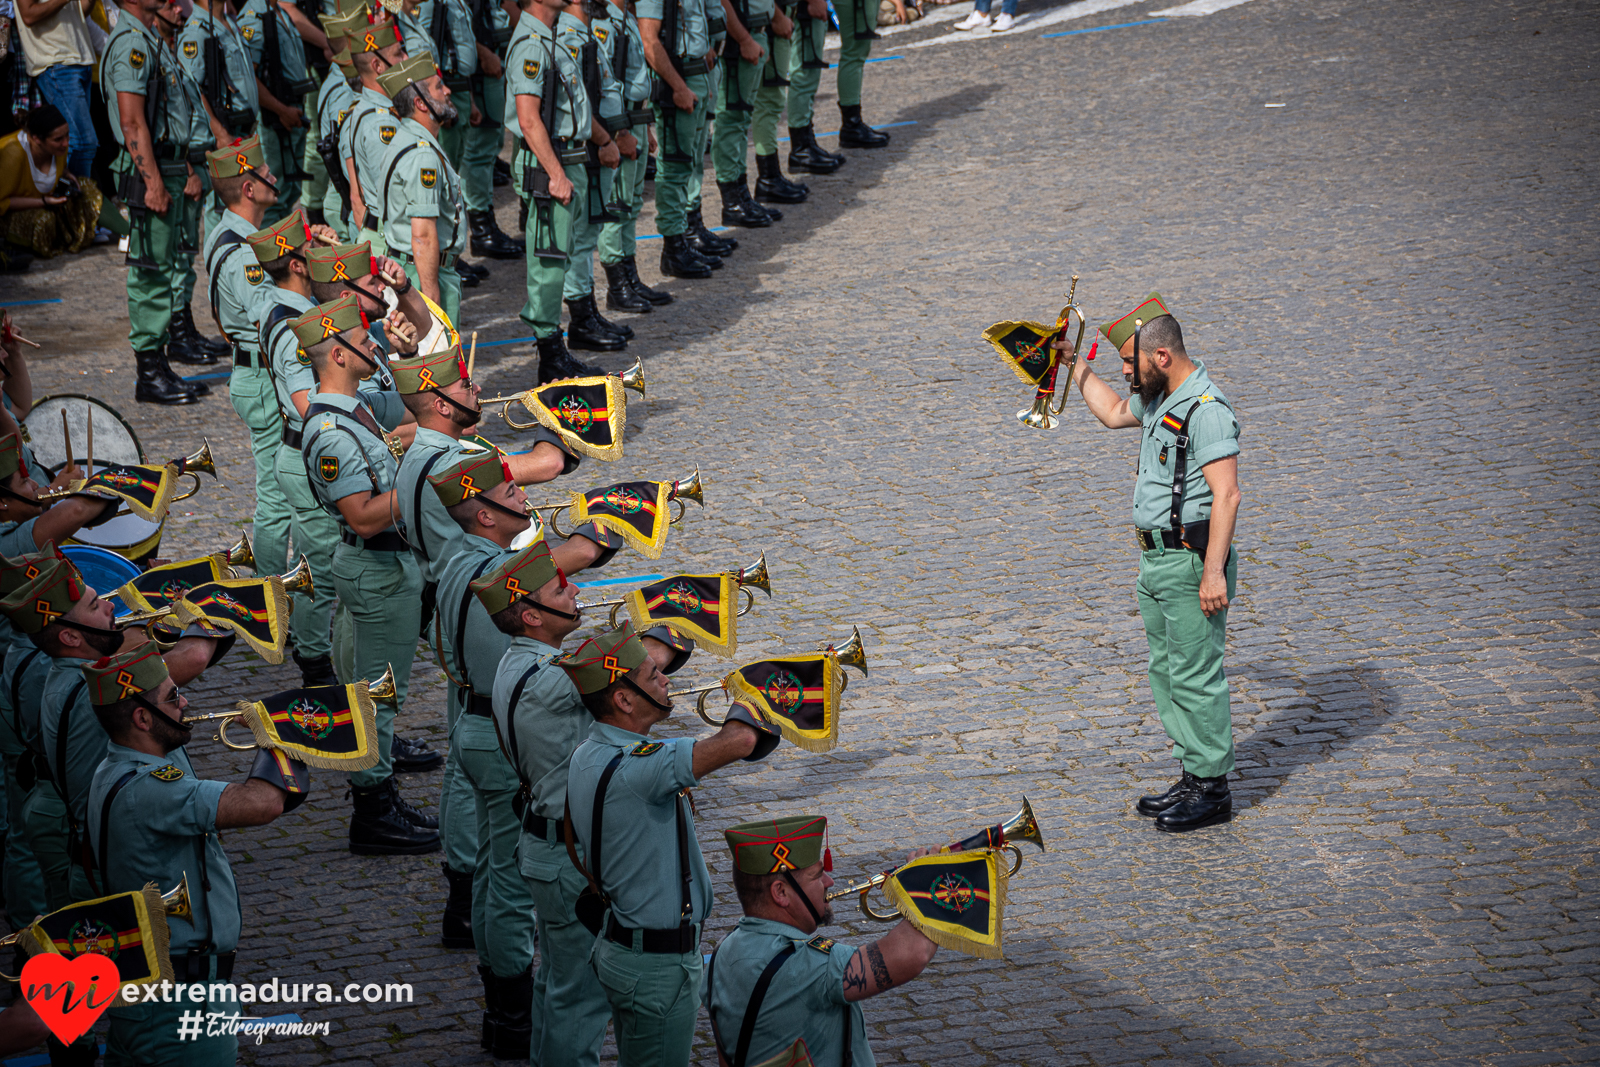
{"x":979,"y":19}
{"x":61,"y":57}
{"x":44,"y":207}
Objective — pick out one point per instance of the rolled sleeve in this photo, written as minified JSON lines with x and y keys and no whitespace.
{"x":1214,"y":434}
{"x":184,"y":808}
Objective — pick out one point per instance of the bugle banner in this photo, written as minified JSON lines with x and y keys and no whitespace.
{"x":161,"y":587}
{"x":330,"y":726}
{"x":956,"y":899}
{"x":1026,"y":349}
{"x":588,"y":413}
{"x":130,"y":929}
{"x":257,"y":609}
{"x":698,"y":606}
{"x":798,"y":694}
{"x":147,"y":490}
{"x":636,"y":510}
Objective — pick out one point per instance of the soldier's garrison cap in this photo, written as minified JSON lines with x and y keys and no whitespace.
{"x":1118,"y":332}
{"x":768,"y":846}
{"x":604,"y":658}
{"x":516,"y":577}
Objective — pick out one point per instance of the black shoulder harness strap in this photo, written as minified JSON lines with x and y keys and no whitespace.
{"x":421,"y":544}
{"x":511,"y":751}
{"x":16,"y":690}
{"x":63,"y":726}
{"x":1180,"y":467}
{"x":317,"y":408}
{"x":461,"y":617}
{"x":592,"y":874}
{"x":280,"y":313}
{"x":105,"y":823}
{"x":752,"y":1009}
{"x":228,"y":244}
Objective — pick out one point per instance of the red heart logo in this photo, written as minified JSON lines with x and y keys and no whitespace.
{"x":69,"y":995}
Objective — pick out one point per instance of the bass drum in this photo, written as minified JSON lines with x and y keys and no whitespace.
{"x":104,"y":570}
{"x":56,"y":418}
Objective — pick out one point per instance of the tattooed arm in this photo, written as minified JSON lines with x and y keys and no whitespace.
{"x":889,"y":961}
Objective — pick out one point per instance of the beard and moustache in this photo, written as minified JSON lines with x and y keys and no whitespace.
{"x":169,"y":734}
{"x":1152,"y":384}
{"x":446,"y":113}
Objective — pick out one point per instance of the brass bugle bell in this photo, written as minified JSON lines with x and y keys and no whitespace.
{"x":382,"y":688}
{"x":241,"y":554}
{"x":299,"y":580}
{"x":633,"y":377}
{"x":1040,"y":416}
{"x":1022,"y":826}
{"x":188,"y":466}
{"x":853,"y":654}
{"x":149,"y":620}
{"x":687,"y":489}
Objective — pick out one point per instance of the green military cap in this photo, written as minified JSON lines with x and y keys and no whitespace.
{"x":768,"y":846}
{"x":521,"y":575}
{"x":18,"y":571}
{"x":10,"y":455}
{"x":232,"y":160}
{"x":346,"y":64}
{"x":352,"y":7}
{"x":421,"y":373}
{"x":373,"y":38}
{"x":325,"y":320}
{"x":116,"y":678}
{"x":1118,"y":332}
{"x":282,"y":238}
{"x":39,"y":602}
{"x":341,"y":263}
{"x":418,"y":68}
{"x":336,"y":26}
{"x":604,"y":658}
{"x":477,"y":472}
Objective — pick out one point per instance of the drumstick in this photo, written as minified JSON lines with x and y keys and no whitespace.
{"x":15,"y":336}
{"x":66,"y":435}
{"x":472,"y":355}
{"x":88,"y":467}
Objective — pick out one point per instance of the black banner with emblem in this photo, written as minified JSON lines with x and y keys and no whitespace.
{"x":589,"y":414}
{"x":636,"y":510}
{"x":161,"y":587}
{"x":330,"y":726}
{"x":698,"y":606}
{"x":257,"y":609}
{"x":147,"y":490}
{"x":129,"y":929}
{"x":956,"y":899}
{"x":799,"y":695}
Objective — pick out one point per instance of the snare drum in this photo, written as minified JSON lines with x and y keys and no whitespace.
{"x":104,"y":570}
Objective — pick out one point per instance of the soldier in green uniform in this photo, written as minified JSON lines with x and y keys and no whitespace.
{"x":247,"y":188}
{"x":491,"y":29}
{"x":1185,"y":504}
{"x":152,"y":819}
{"x":447,"y":26}
{"x":335,"y":99}
{"x":701,"y":239}
{"x":417,"y":189}
{"x":771,"y":185}
{"x":212,"y":52}
{"x":351,"y":470}
{"x":23,"y":883}
{"x":152,"y":121}
{"x":856,"y":34}
{"x":749,"y":30}
{"x":283,"y":81}
{"x":547,"y":111}
{"x":623,"y":52}
{"x":774,"y":991}
{"x":646,"y":859}
{"x":369,"y":128}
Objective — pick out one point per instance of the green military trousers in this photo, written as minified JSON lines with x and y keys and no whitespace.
{"x":284,"y":150}
{"x":736,"y":102}
{"x":502,"y":909}
{"x":654,"y":999}
{"x":449,"y":289}
{"x":315,"y":534}
{"x":805,"y":64}
{"x":1186,"y":646}
{"x":155,"y":238}
{"x":383,"y":593}
{"x":579,"y":278}
{"x":23,"y":882}
{"x":453,"y":139}
{"x":146,"y":1035}
{"x":569,"y":1005}
{"x":679,"y":136}
{"x":44,"y":817}
{"x":315,"y":187}
{"x":856,"y":21}
{"x":769,"y":97}
{"x":618,"y":240}
{"x":483,"y":141}
{"x":183,"y":276}
{"x":550,"y":224}
{"x":251,"y":392}
{"x":697,"y":173}
{"x":458,"y":816}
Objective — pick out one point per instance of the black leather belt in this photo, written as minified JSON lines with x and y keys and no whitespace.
{"x":674,"y":942}
{"x":759,"y":22}
{"x":195,"y":966}
{"x":388,"y":541}
{"x":292,"y":438}
{"x":542,"y":828}
{"x":638,"y":116}
{"x":480,"y":705}
{"x":1194,"y":537}
{"x":447,"y":260}
{"x":244,"y":358}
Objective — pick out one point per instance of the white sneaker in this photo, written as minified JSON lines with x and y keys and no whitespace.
{"x":974,"y":21}
{"x":1003,"y":22}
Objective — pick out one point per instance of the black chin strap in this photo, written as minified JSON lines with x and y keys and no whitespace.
{"x":648,"y":699}
{"x":187,"y":728}
{"x":1136,"y":382}
{"x":788,"y":876}
{"x":477,"y":416}
{"x":486,"y":502}
{"x":554,"y":611}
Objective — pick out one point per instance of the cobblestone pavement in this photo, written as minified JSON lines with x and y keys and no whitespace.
{"x":1388,"y":276}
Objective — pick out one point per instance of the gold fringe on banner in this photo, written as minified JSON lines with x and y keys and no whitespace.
{"x":999,"y":330}
{"x":363,"y":719}
{"x":951,"y":935}
{"x":649,"y":548}
{"x":275,"y":600}
{"x":723,"y":646}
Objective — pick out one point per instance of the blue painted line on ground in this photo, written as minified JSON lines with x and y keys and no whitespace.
{"x":883,"y":59}
{"x":637,"y":579}
{"x":213,"y":376}
{"x":507,"y":341}
{"x":886,"y":125}
{"x":657,"y":236}
{"x":1097,"y":29}
{"x":28,"y":304}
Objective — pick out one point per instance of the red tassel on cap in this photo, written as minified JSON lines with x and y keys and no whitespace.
{"x":373,"y":264}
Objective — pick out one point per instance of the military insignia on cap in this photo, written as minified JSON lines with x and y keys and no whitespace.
{"x":136,"y":58}
{"x":821,"y":944}
{"x":169,"y":773}
{"x":254,"y":274}
{"x":646,"y":748}
{"x":430,"y":177}
{"x":530,"y":68}
{"x":191,"y":49}
{"x":386,"y":133}
{"x":328,"y":467}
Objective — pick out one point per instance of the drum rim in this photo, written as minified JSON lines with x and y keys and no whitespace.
{"x":99,"y":403}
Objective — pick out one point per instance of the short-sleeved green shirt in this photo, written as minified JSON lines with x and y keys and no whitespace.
{"x":635,"y":81}
{"x":365,"y":136}
{"x":604,"y":32}
{"x":460,"y":58}
{"x":694,"y":39}
{"x":805,"y":1000}
{"x":342,"y":456}
{"x":26,"y":668}
{"x":1213,"y":435}
{"x":86,"y":740}
{"x":639,"y":855}
{"x":549,"y":721}
{"x":239,"y":85}
{"x":163,"y":826}
{"x":238,"y":284}
{"x":419,"y":183}
{"x":200,"y":135}
{"x":528,"y":63}
{"x":471,"y":629}
{"x":433,"y":535}
{"x":136,"y":61}
{"x":291,"y":48}
{"x":335,"y":99}
{"x":274,"y":335}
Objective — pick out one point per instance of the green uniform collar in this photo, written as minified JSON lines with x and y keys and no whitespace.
{"x":1193,"y":386}
{"x":773,"y":928}
{"x":538,"y":648}
{"x":614,"y":736}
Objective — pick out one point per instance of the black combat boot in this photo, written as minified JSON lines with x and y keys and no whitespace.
{"x":555,"y":362}
{"x":491,"y":1006}
{"x":655,"y":296}
{"x":772,"y":185}
{"x":853,"y":133}
{"x":680,"y":260}
{"x":806,"y":154}
{"x":457,"y":918}
{"x":738,"y":209}
{"x":513,"y":1025}
{"x":702,"y":240}
{"x":470,"y":273}
{"x":585,"y":329}
{"x":378,"y":828}
{"x":1152,"y":806}
{"x":157,"y":384}
{"x":198,"y":387}
{"x":502,"y":172}
{"x":415,"y":816}
{"x":620,"y":295}
{"x":623,"y":331}
{"x":222,"y":348}
{"x":409,"y":756}
{"x":315,"y":671}
{"x":1206,"y":804}
{"x":185,"y":344}
{"x":490,"y":241}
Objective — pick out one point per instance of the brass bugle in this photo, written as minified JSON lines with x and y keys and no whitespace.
{"x":853,"y":654}
{"x":188,"y":466}
{"x":754,"y":575}
{"x":298,"y":580}
{"x":241,"y":554}
{"x":676,"y":490}
{"x":688,"y":488}
{"x":382,"y":688}
{"x":865,"y":890}
{"x":1022,"y":826}
{"x":1040,"y":416}
{"x":149,"y":620}
{"x":633,"y":377}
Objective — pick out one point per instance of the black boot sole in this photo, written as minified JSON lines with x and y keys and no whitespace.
{"x":169,"y":401}
{"x":497,"y":251}
{"x":1199,"y":824}
{"x":685,"y":272}
{"x":641,"y":307}
{"x":854,"y":143}
{"x":394,"y":850}
{"x":597,"y":344}
{"x":417,"y":766}
{"x":780,"y":197}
